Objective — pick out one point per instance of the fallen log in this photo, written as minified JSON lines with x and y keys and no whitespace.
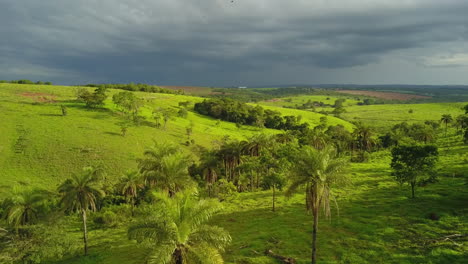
{"x":285,"y":260}
{"x":452,"y":238}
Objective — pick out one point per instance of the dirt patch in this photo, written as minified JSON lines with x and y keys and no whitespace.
{"x":385,"y":95}
{"x":274,"y":100}
{"x":40,"y":97}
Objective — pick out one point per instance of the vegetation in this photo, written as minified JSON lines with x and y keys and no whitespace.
{"x":165,"y":187}
{"x":136,"y":87}
{"x":317,"y":171}
{"x":241,"y":113}
{"x":411,"y":162}
{"x":177,"y":230}
{"x":92,"y":100}
{"x":26,"y":82}
{"x":80,"y":194}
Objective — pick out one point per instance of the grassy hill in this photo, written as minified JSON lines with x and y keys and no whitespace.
{"x":377,"y":221}
{"x":379,"y":116}
{"x":50,"y":146}
{"x":384,"y":116}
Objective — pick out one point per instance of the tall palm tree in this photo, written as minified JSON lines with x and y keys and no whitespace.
{"x":363,"y":135}
{"x":178,"y":231}
{"x":210,"y":164}
{"x":230,"y":153}
{"x":151,"y":164}
{"x":80,"y":193}
{"x":446,"y":119}
{"x":317,"y":171}
{"x":173,"y":175}
{"x":256,"y":143}
{"x":250,"y":167}
{"x":425,"y":134}
{"x":285,"y":137}
{"x":22,"y":208}
{"x":316,"y":139}
{"x":129,"y":185}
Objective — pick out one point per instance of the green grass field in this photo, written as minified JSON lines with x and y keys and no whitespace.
{"x":384,"y":116}
{"x":56,"y":146}
{"x":377,"y":221}
{"x":292,"y":101}
{"x":380,"y":116}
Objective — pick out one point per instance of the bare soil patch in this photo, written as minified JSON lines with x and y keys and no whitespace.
{"x":385,"y":95}
{"x":40,"y":97}
{"x":274,"y":100}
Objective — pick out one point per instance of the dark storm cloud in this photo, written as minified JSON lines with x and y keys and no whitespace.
{"x":219,"y":42}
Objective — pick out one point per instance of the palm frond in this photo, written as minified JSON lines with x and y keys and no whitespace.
{"x":204,"y":254}
{"x":161,"y":254}
{"x":213,"y":236}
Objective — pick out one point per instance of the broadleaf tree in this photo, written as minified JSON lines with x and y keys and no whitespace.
{"x":410,"y":163}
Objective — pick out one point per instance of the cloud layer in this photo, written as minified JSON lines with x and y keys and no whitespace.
{"x":224,"y":42}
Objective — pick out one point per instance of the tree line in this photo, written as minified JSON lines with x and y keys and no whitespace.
{"x":241,"y":113}
{"x":24,"y":81}
{"x":136,"y":87}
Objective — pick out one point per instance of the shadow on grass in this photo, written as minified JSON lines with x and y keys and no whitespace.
{"x":50,"y":115}
{"x":113,"y":133}
{"x":377,"y":225}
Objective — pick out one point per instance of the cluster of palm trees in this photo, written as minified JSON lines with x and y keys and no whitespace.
{"x":175,"y":226}
{"x":460,"y":122}
{"x":264,"y":158}
{"x":163,"y":177}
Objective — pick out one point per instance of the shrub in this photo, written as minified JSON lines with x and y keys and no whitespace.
{"x":225,"y":190}
{"x":107,"y":218}
{"x":182,"y":113}
{"x":64,"y":110}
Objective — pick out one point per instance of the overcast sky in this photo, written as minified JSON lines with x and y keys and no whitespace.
{"x":240,"y":42}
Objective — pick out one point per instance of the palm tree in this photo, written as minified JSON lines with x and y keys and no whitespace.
{"x":22,"y":208}
{"x":250,"y":167}
{"x":173,"y":175}
{"x":129,"y":185}
{"x":178,"y":231}
{"x":80,"y":193}
{"x":285,"y":137}
{"x":316,"y":139}
{"x":256,"y":143}
{"x":209,"y":164}
{"x":151,"y":164}
{"x":425,"y":134}
{"x":317,"y":171}
{"x":447,"y":118}
{"x":363,"y":136}
{"x":230,"y":153}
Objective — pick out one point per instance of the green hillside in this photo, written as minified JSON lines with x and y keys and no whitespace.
{"x":377,"y":222}
{"x":56,"y":146}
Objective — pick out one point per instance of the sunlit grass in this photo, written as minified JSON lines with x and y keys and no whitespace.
{"x":377,"y":221}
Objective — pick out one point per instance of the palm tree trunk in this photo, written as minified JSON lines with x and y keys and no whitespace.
{"x":273,"y":198}
{"x":85,"y":232}
{"x":314,"y":236}
{"x":251,"y":180}
{"x":178,"y":256}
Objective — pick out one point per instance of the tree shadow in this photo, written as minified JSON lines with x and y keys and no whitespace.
{"x":375,"y":225}
{"x":50,"y":115}
{"x":113,"y":133}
